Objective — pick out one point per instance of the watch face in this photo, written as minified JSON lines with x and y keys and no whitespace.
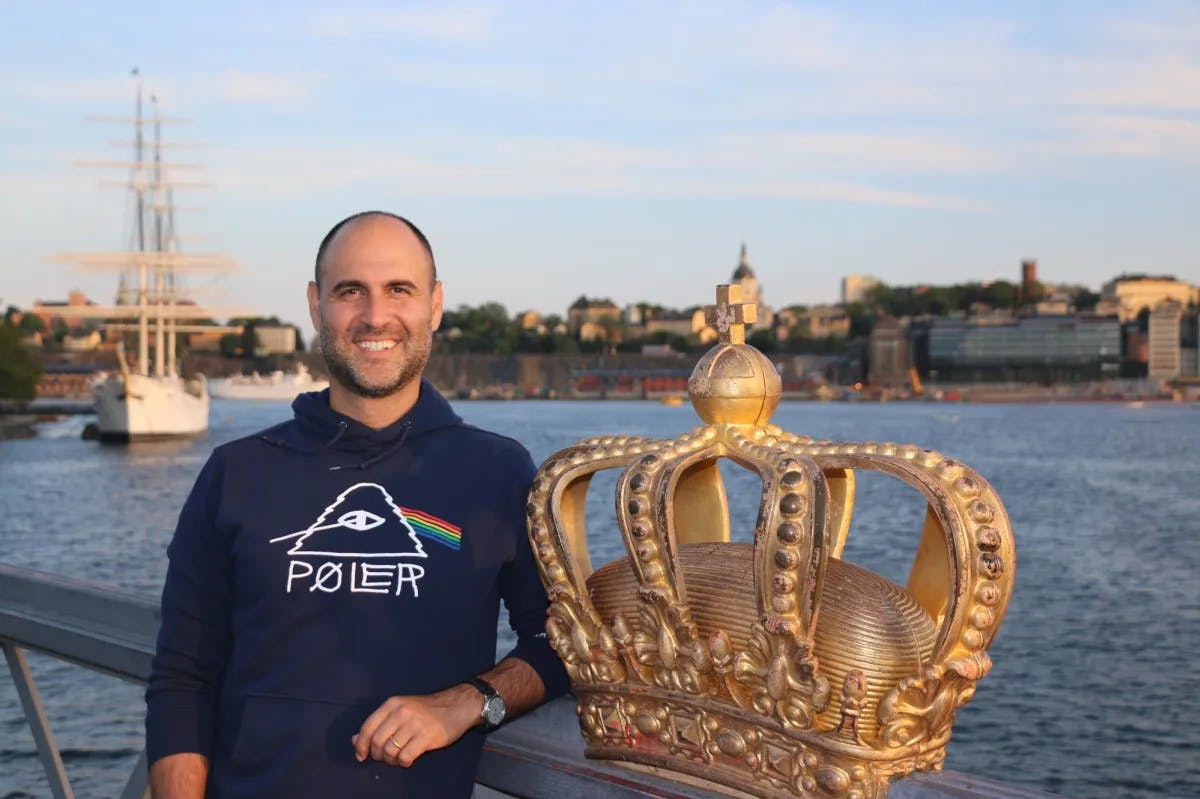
{"x":493,"y":710}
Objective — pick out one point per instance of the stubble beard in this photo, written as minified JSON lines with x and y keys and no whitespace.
{"x":339,"y":360}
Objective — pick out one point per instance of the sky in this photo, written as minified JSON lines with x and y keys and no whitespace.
{"x":620,"y":149}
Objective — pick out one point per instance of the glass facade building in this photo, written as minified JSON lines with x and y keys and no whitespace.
{"x":1031,"y":348}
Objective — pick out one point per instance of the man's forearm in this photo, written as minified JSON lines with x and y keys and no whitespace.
{"x":181,"y":776}
{"x":518,"y":683}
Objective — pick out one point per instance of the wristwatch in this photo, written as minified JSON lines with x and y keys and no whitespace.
{"x":493,"y":704}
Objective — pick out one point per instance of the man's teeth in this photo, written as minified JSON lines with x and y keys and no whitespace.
{"x":376,"y":346}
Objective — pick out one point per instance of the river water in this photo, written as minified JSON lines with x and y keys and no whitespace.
{"x":1095,"y":690}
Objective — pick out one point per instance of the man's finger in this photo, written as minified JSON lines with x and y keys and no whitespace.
{"x":362,"y":741}
{"x":414,"y":748}
{"x":393,"y":734}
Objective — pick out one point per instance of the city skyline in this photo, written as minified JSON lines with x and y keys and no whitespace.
{"x":550,"y":152}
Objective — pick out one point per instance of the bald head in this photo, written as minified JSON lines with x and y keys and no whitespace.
{"x":354,"y":220}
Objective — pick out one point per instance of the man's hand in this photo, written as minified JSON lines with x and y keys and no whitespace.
{"x":406,"y":727}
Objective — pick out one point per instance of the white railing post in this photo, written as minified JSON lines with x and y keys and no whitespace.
{"x":36,"y":716}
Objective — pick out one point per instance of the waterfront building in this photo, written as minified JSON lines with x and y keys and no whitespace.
{"x":46,"y":309}
{"x":274,"y":340}
{"x":589,"y":319}
{"x":676,"y":325}
{"x":1189,"y":362}
{"x":706,"y":334}
{"x":529,"y":320}
{"x":1164,"y":359}
{"x":1046,"y":348}
{"x":819,"y":321}
{"x":209,"y":340}
{"x":1056,"y":304}
{"x":888,"y":361}
{"x":1132,"y":293}
{"x":1030,"y":288}
{"x":83,"y":342}
{"x":855,"y":288}
{"x":66,"y":381}
{"x":1189,"y":342}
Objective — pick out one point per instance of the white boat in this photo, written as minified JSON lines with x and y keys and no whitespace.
{"x":277,"y":386}
{"x":132,"y":407}
{"x":150,"y":399}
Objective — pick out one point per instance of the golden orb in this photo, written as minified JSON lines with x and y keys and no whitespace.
{"x":735,"y":384}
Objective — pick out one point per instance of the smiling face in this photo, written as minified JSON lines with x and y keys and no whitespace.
{"x":375,"y":309}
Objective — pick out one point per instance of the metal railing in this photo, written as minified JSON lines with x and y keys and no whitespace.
{"x":97,"y":627}
{"x":539,"y":756}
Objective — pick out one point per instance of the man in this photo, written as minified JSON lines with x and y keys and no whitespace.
{"x":329,"y":614}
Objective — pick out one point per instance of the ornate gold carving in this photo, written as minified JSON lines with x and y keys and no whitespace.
{"x":920,"y":710}
{"x":782,"y":678}
{"x":773,"y":667}
{"x":854,"y":695}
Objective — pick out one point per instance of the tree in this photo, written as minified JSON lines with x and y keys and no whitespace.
{"x":1086,"y":300}
{"x":231,"y":345}
{"x":32,"y":323}
{"x":1001,"y":294}
{"x":763,"y":340}
{"x":19,"y":369}
{"x":486,"y":328}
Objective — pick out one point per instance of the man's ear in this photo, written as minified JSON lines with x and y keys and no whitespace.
{"x":314,"y":305}
{"x":436,"y":320}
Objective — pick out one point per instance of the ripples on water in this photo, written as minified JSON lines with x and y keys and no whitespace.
{"x":1094,"y":692}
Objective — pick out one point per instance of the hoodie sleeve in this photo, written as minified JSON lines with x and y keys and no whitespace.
{"x":194,"y":639}
{"x":521,"y":589}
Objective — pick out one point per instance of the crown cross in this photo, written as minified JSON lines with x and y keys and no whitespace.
{"x":730,"y":315}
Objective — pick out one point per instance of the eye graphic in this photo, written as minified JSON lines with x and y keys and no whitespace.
{"x":359,"y":520}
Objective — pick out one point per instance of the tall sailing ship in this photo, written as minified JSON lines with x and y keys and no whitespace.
{"x":150,"y":399}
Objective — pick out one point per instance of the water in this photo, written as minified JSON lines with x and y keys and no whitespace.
{"x":1095,"y":691}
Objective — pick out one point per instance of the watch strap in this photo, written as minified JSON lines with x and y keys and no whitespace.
{"x":490,"y":697}
{"x":484,"y":687}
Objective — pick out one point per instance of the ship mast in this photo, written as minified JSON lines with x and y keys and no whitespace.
{"x":139,"y":187}
{"x":159,"y":288}
{"x":158,"y":260}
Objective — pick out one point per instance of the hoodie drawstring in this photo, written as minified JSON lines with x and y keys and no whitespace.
{"x":406,"y":427}
{"x":279,"y":442}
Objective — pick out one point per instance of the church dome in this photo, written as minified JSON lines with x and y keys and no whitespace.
{"x":743,"y":270}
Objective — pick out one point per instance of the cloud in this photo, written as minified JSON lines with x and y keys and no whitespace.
{"x":248,"y":87}
{"x":67,"y":91}
{"x":851,"y":152}
{"x":1135,"y":136}
{"x":462,"y":24}
{"x":547,"y":167}
{"x":1167,"y":83}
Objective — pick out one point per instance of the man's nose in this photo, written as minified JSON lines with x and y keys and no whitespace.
{"x":377,"y":314}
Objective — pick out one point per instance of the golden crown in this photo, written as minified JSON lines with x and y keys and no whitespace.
{"x":772,"y":668}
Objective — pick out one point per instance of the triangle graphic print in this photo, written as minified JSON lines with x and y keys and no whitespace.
{"x":363,"y":522}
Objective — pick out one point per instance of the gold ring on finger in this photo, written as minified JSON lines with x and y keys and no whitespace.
{"x":392,"y":741}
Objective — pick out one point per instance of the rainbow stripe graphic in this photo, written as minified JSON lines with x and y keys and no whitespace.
{"x":433,"y":528}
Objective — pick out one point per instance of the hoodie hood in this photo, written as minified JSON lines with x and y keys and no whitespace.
{"x":317,"y":427}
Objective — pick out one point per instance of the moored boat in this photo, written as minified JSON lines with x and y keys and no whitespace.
{"x":277,"y":386}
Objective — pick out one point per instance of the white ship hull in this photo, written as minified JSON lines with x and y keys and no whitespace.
{"x":135,"y":407}
{"x":277,"y":387}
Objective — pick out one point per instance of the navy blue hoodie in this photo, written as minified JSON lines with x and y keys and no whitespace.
{"x":320,"y":567}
